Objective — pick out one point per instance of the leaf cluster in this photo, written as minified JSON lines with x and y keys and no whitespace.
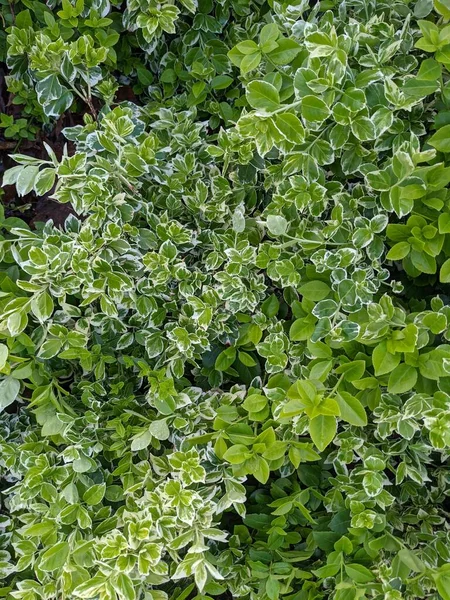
{"x":228,"y":373}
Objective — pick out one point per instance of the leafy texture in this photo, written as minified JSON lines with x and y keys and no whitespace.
{"x":227,"y":374}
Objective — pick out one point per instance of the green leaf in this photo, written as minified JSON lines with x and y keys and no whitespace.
{"x":339,"y":136}
{"x":141,"y":440}
{"x":359,"y":573}
{"x":424,"y":262}
{"x":290,"y":127}
{"x":55,"y":557}
{"x":285,"y":52}
{"x":124,"y":587}
{"x":352,"y":411}
{"x":411,"y":560}
{"x":437,"y":323}
{"x":399,"y":251}
{"x":94,"y":495}
{"x":401,"y":205}
{"x":276,"y":224}
{"x":247,"y":47}
{"x":263,"y":96}
{"x":441,"y":139}
{"x":250,"y":62}
{"x":237,"y":454}
{"x":260,"y":469}
{"x":221,"y":82}
{"x":442,"y":579}
{"x":90,"y":588}
{"x":255,"y":403}
{"x":4,"y":352}
{"x":314,"y":290}
{"x":379,"y":180}
{"x":272,"y":588}
{"x":246,"y":359}
{"x":322,"y":430}
{"x":383,"y":361}
{"x":270,"y":306}
{"x":363,"y":128}
{"x":25,"y":180}
{"x":45,"y":181}
{"x":23,"y":19}
{"x":302,"y":329}
{"x":444,"y":273}
{"x":314,"y":109}
{"x":225,"y":359}
{"x":442,"y":7}
{"x":39,"y":529}
{"x":268,"y":35}
{"x":444,"y":223}
{"x":352,"y":370}
{"x":9,"y":390}
{"x":402,"y":379}
{"x":50,"y":348}
{"x":325,"y":308}
{"x":54,"y":97}
{"x":241,"y":433}
{"x":10,"y":176}
{"x":159,"y":429}
{"x":42,"y":306}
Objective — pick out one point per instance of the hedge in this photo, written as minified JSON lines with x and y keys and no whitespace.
{"x":227,"y":373}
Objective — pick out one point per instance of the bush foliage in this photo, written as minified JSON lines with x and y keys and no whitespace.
{"x":228,"y":374}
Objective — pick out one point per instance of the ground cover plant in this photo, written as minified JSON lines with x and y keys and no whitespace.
{"x":224,"y":300}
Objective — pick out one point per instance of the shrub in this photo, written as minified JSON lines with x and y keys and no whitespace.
{"x":228,"y":374}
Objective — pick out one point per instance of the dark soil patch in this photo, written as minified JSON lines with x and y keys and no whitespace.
{"x":31,"y":208}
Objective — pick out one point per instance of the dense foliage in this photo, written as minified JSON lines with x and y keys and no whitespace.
{"x":228,"y":374}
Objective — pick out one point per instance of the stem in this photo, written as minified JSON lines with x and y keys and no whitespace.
{"x":92,"y":108}
{"x":77,"y":92}
{"x":60,"y":404}
{"x":338,"y":383}
{"x":302,"y":240}
{"x":323,"y":132}
{"x":416,"y":578}
{"x":127,"y":183}
{"x":85,"y":99}
{"x":89,"y":99}
{"x":287,"y":107}
{"x":132,"y":412}
{"x":274,"y":65}
{"x":11,"y":8}
{"x":61,"y":389}
{"x":366,"y":10}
